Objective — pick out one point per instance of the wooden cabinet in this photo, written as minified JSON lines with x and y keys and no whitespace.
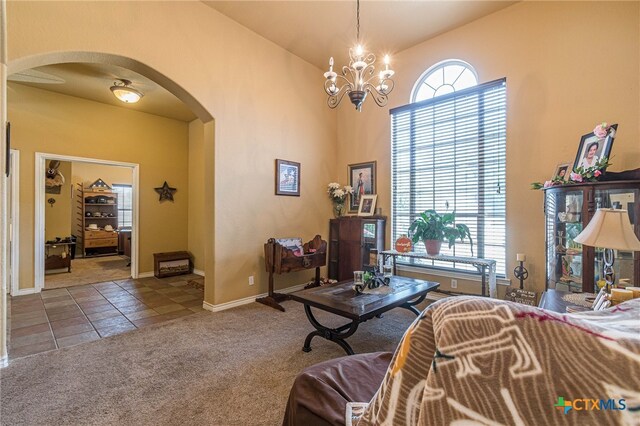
{"x":124,"y":242}
{"x":351,"y":239}
{"x":568,"y":209}
{"x":100,"y":209}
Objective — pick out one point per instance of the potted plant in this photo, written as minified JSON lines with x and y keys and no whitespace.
{"x":433,"y":228}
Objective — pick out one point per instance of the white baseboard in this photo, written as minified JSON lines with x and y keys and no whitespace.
{"x":25,"y":291}
{"x":198,"y":272}
{"x":246,"y":300}
{"x":4,"y":361}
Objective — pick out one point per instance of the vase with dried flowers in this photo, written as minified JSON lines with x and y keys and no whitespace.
{"x":338,"y":195}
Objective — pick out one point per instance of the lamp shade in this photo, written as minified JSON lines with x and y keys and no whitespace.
{"x":610,"y":228}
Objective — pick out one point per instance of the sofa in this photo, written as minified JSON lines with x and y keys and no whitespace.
{"x":469,"y":360}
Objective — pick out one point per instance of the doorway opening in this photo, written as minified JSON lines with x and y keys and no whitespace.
{"x":86,"y":224}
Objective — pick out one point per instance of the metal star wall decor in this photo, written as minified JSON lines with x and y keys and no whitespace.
{"x":166,"y":192}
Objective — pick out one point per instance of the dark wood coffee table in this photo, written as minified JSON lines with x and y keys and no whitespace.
{"x":342,"y":300}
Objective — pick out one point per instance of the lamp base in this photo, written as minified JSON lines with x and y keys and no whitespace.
{"x":607,"y":271}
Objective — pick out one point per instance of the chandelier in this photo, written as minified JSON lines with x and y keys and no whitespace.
{"x":356,"y":79}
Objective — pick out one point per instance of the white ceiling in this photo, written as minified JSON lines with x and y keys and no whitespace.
{"x":311,"y":29}
{"x":317,"y":30}
{"x":92,"y":81}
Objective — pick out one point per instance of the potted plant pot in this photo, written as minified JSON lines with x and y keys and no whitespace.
{"x":433,"y":228}
{"x":433,"y":247}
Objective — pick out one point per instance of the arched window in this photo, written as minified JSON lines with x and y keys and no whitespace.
{"x":443,"y":78}
{"x":448,"y":153}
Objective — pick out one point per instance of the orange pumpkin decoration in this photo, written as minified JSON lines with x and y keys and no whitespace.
{"x":403,"y":244}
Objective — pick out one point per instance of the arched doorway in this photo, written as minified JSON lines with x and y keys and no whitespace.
{"x":87,"y":57}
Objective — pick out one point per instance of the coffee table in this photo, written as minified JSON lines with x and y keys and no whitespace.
{"x":340,"y":299}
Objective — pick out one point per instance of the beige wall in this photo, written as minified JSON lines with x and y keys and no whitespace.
{"x":56,"y":217}
{"x":87,"y":173}
{"x":267,"y":104}
{"x":196,"y":222}
{"x":44,"y":121}
{"x":569,"y":65}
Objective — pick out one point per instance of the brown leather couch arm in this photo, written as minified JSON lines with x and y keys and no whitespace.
{"x":320,"y":393}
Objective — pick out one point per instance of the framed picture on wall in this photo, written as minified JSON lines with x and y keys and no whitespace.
{"x":592,"y":148}
{"x":287,"y":178}
{"x":362,"y":178}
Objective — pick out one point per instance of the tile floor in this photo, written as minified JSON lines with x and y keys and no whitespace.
{"x":68,"y":316}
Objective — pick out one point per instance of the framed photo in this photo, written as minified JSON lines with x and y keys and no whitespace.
{"x":362,"y":178}
{"x":562,"y":171}
{"x":592,"y":148}
{"x":287,"y":178}
{"x":367,"y":205}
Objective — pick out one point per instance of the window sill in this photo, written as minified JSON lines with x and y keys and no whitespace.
{"x":450,"y":274}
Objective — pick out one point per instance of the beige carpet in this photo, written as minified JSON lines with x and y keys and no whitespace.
{"x":227,"y":368}
{"x":90,"y":270}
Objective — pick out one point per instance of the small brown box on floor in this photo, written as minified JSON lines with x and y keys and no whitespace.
{"x":172,"y":263}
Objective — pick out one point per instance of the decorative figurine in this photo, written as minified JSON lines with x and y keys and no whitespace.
{"x":520,"y":271}
{"x":166,"y":192}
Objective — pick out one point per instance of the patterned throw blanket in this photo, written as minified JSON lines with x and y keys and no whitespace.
{"x":478,"y":361}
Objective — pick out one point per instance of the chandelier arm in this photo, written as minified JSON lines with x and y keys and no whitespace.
{"x":334,"y":100}
{"x":390,"y":85}
{"x":346,"y":80}
{"x":329,"y":83}
{"x":379,"y":98}
{"x":370,"y":70}
{"x":348,"y":70}
{"x":370,"y":58}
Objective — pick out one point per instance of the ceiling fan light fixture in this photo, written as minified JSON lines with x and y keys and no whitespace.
{"x":121,"y":89}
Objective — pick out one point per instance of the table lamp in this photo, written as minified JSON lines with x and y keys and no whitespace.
{"x":609,"y":229}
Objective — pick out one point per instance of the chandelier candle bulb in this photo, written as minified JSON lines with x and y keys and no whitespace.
{"x":521,"y":257}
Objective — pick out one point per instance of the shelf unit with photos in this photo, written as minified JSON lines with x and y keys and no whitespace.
{"x":568,"y":209}
{"x":100,"y":242}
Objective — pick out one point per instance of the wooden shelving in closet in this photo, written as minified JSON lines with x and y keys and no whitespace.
{"x":100,"y":217}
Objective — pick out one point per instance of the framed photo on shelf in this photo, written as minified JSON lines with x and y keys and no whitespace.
{"x":367,"y":205}
{"x":562,"y":171}
{"x":592,"y":148}
{"x":362,"y":178}
{"x":287,"y":178}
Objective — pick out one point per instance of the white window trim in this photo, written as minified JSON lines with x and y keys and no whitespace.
{"x":423,"y":76}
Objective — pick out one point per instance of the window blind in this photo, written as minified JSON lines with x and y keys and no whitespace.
{"x":449,"y":153}
{"x":125,"y":204}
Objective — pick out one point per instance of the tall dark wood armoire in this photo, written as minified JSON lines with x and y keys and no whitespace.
{"x":351,"y":239}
